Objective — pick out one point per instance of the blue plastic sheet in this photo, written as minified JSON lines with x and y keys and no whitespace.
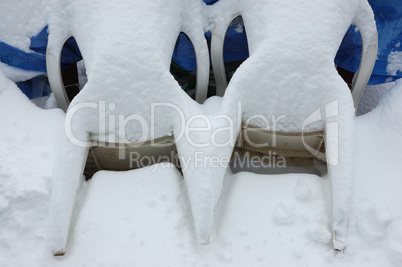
{"x":210,"y":2}
{"x":38,"y":86}
{"x":70,"y":54}
{"x":388,"y":16}
{"x":15,"y":57}
{"x":20,"y":59}
{"x":235,"y":47}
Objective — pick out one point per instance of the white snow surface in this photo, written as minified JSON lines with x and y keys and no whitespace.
{"x":16,"y":74}
{"x":151,"y":216}
{"x":142,"y":217}
{"x":128,"y":72}
{"x":394,"y":62}
{"x":20,"y":20}
{"x":372,"y":96}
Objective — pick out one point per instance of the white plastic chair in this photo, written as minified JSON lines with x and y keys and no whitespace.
{"x":53,"y":66}
{"x":131,"y":99}
{"x":360,"y":79}
{"x":282,"y":85}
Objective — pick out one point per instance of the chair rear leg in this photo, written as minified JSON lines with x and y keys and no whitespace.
{"x":339,"y":157}
{"x":64,"y":199}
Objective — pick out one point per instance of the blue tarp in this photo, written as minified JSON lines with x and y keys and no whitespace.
{"x":388,"y":15}
{"x":17,"y":58}
{"x":37,"y":61}
{"x":38,"y":86}
{"x":235,"y":48}
{"x":210,"y":2}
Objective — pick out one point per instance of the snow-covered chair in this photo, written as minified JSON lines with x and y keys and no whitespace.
{"x":53,"y":64}
{"x":292,"y":97}
{"x":131,"y":103}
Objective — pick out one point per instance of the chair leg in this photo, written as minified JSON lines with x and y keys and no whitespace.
{"x":338,"y":145}
{"x":64,"y":198}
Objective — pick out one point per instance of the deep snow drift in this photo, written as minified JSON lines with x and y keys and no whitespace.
{"x":142,"y":217}
{"x":136,"y":64}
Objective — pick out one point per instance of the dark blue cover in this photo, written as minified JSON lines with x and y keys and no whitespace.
{"x":37,"y":61}
{"x":388,"y":15}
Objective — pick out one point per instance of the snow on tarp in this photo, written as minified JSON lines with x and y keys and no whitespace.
{"x":20,"y":21}
{"x":36,"y":62}
{"x":17,"y":58}
{"x":23,"y":40}
{"x":16,"y":74}
{"x":388,"y":15}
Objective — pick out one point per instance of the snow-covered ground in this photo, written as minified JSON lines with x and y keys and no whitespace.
{"x":142,"y":217}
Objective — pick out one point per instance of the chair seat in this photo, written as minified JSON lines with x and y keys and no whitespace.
{"x":129,"y":156}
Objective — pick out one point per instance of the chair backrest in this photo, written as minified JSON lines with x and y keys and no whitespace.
{"x":294,"y":38}
{"x":148,"y":36}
